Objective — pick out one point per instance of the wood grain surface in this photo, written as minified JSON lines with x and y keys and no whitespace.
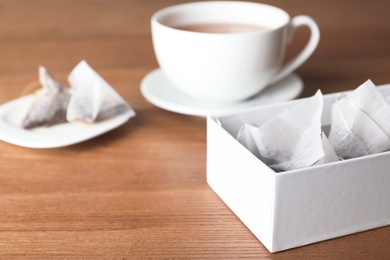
{"x":139,"y":191}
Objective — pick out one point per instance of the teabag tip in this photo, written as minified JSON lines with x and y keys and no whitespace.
{"x":50,"y":103}
{"x":93,"y":99}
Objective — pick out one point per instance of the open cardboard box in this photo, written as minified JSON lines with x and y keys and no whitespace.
{"x":295,"y":208}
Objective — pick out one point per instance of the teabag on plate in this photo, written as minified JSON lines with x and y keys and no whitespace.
{"x":360,"y":123}
{"x":50,"y":103}
{"x":292,"y":139}
{"x":93,"y":99}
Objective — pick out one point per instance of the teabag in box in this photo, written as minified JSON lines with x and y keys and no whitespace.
{"x":297,"y":207}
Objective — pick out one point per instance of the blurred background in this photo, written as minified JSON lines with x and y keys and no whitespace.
{"x":114,"y":37}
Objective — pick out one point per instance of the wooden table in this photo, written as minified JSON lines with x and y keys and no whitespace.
{"x":139,"y":191}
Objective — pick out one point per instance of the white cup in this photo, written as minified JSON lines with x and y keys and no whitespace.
{"x":227,"y":67}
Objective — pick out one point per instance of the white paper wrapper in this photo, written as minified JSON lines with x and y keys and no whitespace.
{"x":93,"y":99}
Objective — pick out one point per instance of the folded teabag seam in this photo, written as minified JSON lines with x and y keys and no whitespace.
{"x":330,"y":153}
{"x":360,"y":123}
{"x":90,"y":99}
{"x":292,"y":139}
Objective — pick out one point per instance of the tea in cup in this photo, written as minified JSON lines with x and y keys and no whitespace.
{"x":227,"y":51}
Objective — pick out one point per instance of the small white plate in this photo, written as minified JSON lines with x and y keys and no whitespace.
{"x":13,"y":112}
{"x":158,"y":90}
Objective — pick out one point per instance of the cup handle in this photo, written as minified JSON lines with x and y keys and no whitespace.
{"x":306,"y":52}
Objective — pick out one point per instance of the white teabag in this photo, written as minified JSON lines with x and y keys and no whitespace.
{"x":93,"y":99}
{"x":290,"y":140}
{"x":50,"y":103}
{"x":360,"y":123}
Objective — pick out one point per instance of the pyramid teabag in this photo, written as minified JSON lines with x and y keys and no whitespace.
{"x":93,"y":99}
{"x":360,"y":123}
{"x":50,"y":103}
{"x":290,"y":140}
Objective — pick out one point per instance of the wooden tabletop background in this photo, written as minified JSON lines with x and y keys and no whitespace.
{"x":140,"y":191}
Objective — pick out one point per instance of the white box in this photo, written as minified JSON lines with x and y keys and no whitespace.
{"x":295,"y":208}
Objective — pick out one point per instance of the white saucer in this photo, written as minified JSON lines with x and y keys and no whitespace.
{"x":158,"y":90}
{"x":13,"y":112}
